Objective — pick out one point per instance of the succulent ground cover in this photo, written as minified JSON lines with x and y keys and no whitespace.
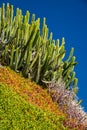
{"x":29,"y":90}
{"x":33,"y":94}
{"x":33,"y":105}
{"x":18,"y":114}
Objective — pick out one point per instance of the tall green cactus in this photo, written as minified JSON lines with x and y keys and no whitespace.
{"x":25,"y":47}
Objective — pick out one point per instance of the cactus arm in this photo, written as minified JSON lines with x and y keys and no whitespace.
{"x":12,"y":56}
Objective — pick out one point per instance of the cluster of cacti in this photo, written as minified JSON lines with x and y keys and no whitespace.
{"x":68,"y":102}
{"x":24,"y":47}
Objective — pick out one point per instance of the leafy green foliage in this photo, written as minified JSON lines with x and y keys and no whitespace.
{"x":26,"y":48}
{"x":17,"y":114}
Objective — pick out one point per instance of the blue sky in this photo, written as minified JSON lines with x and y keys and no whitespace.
{"x":68,"y":19}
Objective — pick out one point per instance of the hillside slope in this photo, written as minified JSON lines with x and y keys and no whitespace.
{"x":18,"y":114}
{"x":31,"y":92}
{"x":26,"y":106}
